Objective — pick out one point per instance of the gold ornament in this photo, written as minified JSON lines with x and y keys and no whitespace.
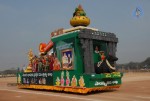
{"x":81,"y":81}
{"x":79,"y":18}
{"x":74,"y":81}
{"x":57,"y":81}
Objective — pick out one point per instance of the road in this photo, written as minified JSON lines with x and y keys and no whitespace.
{"x":135,"y":87}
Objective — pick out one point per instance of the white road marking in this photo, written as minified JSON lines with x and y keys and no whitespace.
{"x":18,"y":96}
{"x":38,"y":93}
{"x":143,"y":97}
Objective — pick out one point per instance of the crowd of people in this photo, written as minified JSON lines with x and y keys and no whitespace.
{"x":44,"y":63}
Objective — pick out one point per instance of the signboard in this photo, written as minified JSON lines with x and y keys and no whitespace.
{"x":38,"y":78}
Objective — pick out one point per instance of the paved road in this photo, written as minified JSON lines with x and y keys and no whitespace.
{"x":135,"y":87}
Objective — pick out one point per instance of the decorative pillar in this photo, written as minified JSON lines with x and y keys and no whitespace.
{"x":91,"y":55}
{"x":87,"y":46}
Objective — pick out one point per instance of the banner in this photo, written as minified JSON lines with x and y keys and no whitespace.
{"x":38,"y":78}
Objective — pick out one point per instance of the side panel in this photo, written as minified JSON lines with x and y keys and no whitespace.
{"x":73,"y":79}
{"x":110,"y":79}
{"x":70,"y":79}
{"x":38,"y":78}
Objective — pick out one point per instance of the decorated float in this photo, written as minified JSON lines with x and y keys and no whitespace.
{"x":80,"y":60}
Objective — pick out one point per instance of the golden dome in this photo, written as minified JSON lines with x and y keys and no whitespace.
{"x":79,"y":18}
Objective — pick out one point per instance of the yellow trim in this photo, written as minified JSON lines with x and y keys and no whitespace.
{"x":82,"y":90}
{"x":108,"y":75}
{"x":78,"y":28}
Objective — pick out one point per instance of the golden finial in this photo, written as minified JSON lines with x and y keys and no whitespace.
{"x":79,"y":18}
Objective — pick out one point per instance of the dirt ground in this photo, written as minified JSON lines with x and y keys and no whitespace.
{"x":135,"y":87}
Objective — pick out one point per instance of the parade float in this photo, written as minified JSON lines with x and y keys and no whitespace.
{"x":80,"y":60}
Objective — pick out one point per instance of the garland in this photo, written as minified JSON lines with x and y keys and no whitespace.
{"x":81,"y":90}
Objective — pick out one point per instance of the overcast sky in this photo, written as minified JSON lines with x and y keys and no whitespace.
{"x":26,"y":23}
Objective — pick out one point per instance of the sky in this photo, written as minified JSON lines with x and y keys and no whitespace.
{"x":24,"y":24}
